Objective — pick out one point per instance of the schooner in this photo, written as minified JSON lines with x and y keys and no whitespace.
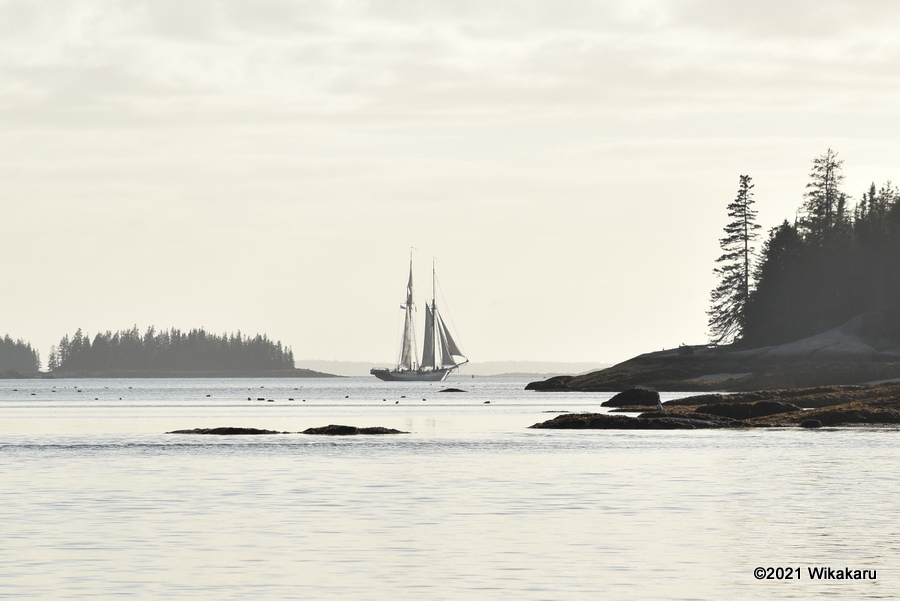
{"x":441,"y":354}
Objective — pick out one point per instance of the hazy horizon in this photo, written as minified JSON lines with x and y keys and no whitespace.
{"x":266,"y":166}
{"x":486,"y":368}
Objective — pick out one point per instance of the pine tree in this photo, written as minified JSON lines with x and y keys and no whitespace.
{"x":825,"y":205}
{"x":729,"y":299}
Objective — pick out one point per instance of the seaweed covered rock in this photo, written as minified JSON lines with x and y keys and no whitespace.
{"x":226,"y":431}
{"x":764,"y":408}
{"x":339,"y":430}
{"x":603,"y":421}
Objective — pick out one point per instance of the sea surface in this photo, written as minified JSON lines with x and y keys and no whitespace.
{"x":97,"y":501}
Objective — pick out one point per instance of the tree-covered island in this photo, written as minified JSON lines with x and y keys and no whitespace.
{"x":817,"y":304}
{"x":154,"y":353}
{"x":17,"y":358}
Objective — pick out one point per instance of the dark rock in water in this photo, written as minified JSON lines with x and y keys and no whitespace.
{"x":338,"y":430}
{"x":226,"y":431}
{"x":603,"y":421}
{"x":633,"y":397}
{"x":764,"y":408}
{"x":554,"y":384}
{"x":811,"y":423}
{"x":450,"y":390}
{"x":732,"y":410}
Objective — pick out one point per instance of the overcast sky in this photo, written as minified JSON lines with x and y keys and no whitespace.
{"x":266,"y":165}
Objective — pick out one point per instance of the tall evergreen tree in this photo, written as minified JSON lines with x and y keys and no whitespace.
{"x":729,"y":298}
{"x":825,"y":205}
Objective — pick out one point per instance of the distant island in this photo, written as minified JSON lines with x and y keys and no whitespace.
{"x":818,"y":305}
{"x":163,"y":353}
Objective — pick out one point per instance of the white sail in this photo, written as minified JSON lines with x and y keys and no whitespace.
{"x":408,"y":345}
{"x":449,"y":349}
{"x":428,"y":354}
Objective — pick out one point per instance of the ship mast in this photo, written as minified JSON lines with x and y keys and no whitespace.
{"x":408,"y":345}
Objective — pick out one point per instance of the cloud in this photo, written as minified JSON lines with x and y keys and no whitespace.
{"x":246,"y":61}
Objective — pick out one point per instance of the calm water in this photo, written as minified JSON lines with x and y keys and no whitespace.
{"x":99,"y":503}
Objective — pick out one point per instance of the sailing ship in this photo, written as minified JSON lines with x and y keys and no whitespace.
{"x":441,"y":354}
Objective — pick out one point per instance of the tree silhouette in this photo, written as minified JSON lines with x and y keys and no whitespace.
{"x":729,"y":297}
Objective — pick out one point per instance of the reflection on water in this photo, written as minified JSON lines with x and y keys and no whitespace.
{"x":99,"y":502}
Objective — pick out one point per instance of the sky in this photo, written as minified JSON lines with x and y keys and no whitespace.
{"x":267,"y":165}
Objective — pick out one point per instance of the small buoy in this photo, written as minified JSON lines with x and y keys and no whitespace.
{"x":424,"y":399}
{"x":396,"y":402}
{"x":347,"y":397}
{"x":209,"y":395}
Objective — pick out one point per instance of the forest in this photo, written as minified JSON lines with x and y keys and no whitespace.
{"x":837,"y":259}
{"x":170,"y":350}
{"x":17,"y":357}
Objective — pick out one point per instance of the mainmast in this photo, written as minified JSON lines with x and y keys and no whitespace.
{"x":439,"y":351}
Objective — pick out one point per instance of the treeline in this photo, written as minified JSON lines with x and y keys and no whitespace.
{"x":18,"y":356}
{"x":168,"y":351}
{"x":837,"y":259}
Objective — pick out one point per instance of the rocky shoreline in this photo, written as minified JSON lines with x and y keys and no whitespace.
{"x":832,"y":406}
{"x":850,"y":354}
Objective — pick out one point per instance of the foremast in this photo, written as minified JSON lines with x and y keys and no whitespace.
{"x":408,"y":353}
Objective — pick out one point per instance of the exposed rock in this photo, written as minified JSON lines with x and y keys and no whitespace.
{"x":339,"y":430}
{"x":633,"y":397}
{"x":603,"y":421}
{"x":764,"y":408}
{"x":732,"y":410}
{"x":877,"y":405}
{"x":554,"y":384}
{"x":451,"y":390}
{"x":226,"y":431}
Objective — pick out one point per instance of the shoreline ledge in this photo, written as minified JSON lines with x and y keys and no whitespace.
{"x":849,"y":354}
{"x":833,"y":406}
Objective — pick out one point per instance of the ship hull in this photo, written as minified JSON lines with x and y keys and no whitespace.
{"x":406,"y":375}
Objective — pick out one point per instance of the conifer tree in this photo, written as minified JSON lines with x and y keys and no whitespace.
{"x":825,"y":207}
{"x":729,"y":298}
